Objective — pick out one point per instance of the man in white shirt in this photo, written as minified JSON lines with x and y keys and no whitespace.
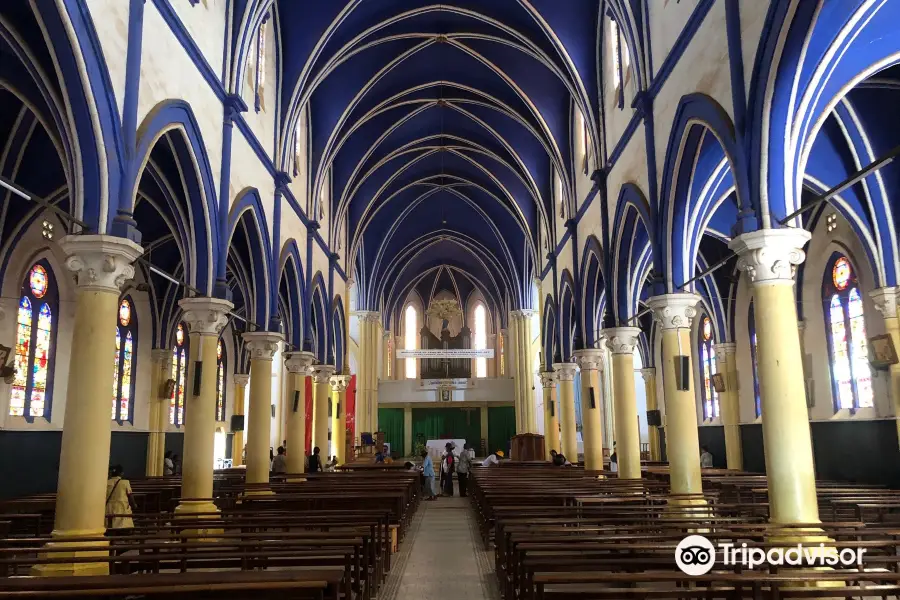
{"x":493,"y":459}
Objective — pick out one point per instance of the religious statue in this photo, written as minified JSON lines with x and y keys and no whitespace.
{"x":444,"y":309}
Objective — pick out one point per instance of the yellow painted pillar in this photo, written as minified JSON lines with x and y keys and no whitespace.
{"x":551,"y":412}
{"x":726,"y":364}
{"x":769,"y":257}
{"x":513,"y":366}
{"x":102,"y":264}
{"x":407,"y":431}
{"x":565,"y":373}
{"x":674,"y":312}
{"x":590,"y":362}
{"x":262,"y":346}
{"x":205,"y":318}
{"x":885,"y":300}
{"x":649,"y":375}
{"x":367,"y":380}
{"x":621,"y":342}
{"x":159,"y":410}
{"x":527,"y":366}
{"x":298,"y":366}
{"x":339,"y":385}
{"x":321,"y":375}
{"x":237,"y":439}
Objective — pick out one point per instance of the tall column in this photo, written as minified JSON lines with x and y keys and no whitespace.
{"x":298,"y":366}
{"x":102,"y":264}
{"x":565,"y":373}
{"x":321,"y":375}
{"x":205,"y":318}
{"x":339,"y":385}
{"x":159,"y":403}
{"x":551,"y":412}
{"x":726,"y":364}
{"x":262,"y":346}
{"x":407,"y":431}
{"x":237,"y":439}
{"x":649,"y":375}
{"x":885,"y":300}
{"x":367,"y":378}
{"x":621,"y":342}
{"x":527,"y":362}
{"x":674,"y":312}
{"x":590,"y":361}
{"x":770,"y":257}
{"x":512,"y":349}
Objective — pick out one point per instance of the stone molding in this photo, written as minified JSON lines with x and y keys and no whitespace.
{"x":161,"y":356}
{"x":206,"y":316}
{"x":648,"y":373}
{"x":589,"y":359}
{"x":241,"y":379}
{"x":622,"y":340}
{"x":262,"y":344}
{"x":885,"y":301}
{"x":322,"y":373}
{"x":722,"y":350}
{"x":299,"y":362}
{"x":339,"y":383}
{"x":367,"y":315}
{"x":523,"y":314}
{"x":770,"y":255}
{"x":674,"y":311}
{"x":565,"y":371}
{"x":101,"y":263}
{"x":548,"y":379}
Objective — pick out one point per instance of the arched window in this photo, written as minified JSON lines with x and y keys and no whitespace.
{"x":615,"y":47}
{"x":851,"y":377}
{"x":751,"y":327}
{"x":220,"y":381}
{"x":708,"y":367}
{"x":179,"y":368}
{"x":480,"y":339}
{"x":36,"y":324}
{"x":410,"y":327}
{"x":123,"y":380}
{"x":261,"y":65}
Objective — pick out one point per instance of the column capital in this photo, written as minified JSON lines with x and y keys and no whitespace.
{"x":723,"y":349}
{"x":206,"y":316}
{"x":322,"y":373}
{"x":885,"y":300}
{"x":241,"y":379}
{"x":674,"y":311}
{"x":262,"y":344}
{"x":339,"y":383}
{"x":299,"y":362}
{"x":523,"y":314}
{"x":648,"y":373}
{"x":367,"y":315}
{"x":565,"y":371}
{"x":771,"y":255}
{"x":589,"y":359}
{"x":548,"y":379}
{"x":160,"y":356}
{"x":100,"y":262}
{"x":622,"y":340}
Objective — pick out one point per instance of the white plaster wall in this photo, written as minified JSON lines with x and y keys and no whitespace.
{"x":703,"y":68}
{"x":262,"y":122}
{"x":616,"y":119}
{"x":319,"y":261}
{"x":667,"y":19}
{"x":205,"y":22}
{"x":167,"y":73}
{"x":630,"y":168}
{"x":248,"y":171}
{"x":753,"y":17}
{"x":110,"y":19}
{"x":564,"y":261}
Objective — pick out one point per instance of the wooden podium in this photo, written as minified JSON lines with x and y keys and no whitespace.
{"x":527,"y":447}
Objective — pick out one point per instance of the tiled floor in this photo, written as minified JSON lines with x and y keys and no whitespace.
{"x":442,"y":557}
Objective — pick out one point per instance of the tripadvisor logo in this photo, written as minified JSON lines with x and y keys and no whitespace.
{"x":695,"y":555}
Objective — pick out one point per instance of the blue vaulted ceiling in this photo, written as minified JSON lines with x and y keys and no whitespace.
{"x":438,"y":128}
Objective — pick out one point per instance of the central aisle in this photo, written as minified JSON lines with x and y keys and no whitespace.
{"x":443,"y":557}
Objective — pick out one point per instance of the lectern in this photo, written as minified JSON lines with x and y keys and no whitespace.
{"x":527,"y":446}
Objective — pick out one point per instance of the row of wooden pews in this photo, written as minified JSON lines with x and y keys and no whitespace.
{"x":306,"y":536}
{"x":563,"y":534}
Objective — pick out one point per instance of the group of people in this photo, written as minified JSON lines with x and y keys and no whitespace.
{"x":451,"y":463}
{"x":314,"y":464}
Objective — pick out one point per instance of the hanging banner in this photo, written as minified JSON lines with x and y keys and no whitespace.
{"x":446,"y":353}
{"x":446,"y":384}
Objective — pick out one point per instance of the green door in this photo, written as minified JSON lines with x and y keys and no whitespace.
{"x":501,"y":428}
{"x":390,"y":421}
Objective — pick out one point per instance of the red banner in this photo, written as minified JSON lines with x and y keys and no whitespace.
{"x":308,"y":412}
{"x":350,"y":410}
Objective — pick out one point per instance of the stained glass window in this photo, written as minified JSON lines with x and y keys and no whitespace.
{"x":220,"y":382}
{"x":708,"y":367}
{"x":34,"y":355}
{"x":179,"y":366}
{"x":123,"y":372}
{"x":754,"y":361}
{"x":851,"y":375}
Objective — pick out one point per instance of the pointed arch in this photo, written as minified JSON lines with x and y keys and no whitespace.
{"x":248,"y":238}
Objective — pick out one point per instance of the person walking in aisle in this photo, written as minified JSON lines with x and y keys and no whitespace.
{"x":428,"y":474}
{"x":462,"y":470}
{"x":448,"y":466}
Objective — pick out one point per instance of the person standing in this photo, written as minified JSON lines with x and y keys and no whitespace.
{"x":279,"y":463}
{"x":462,"y":470}
{"x":448,"y":466}
{"x":428,"y":474}
{"x":614,"y":460}
{"x":168,"y":464}
{"x":706,"y":458}
{"x":314,"y":464}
